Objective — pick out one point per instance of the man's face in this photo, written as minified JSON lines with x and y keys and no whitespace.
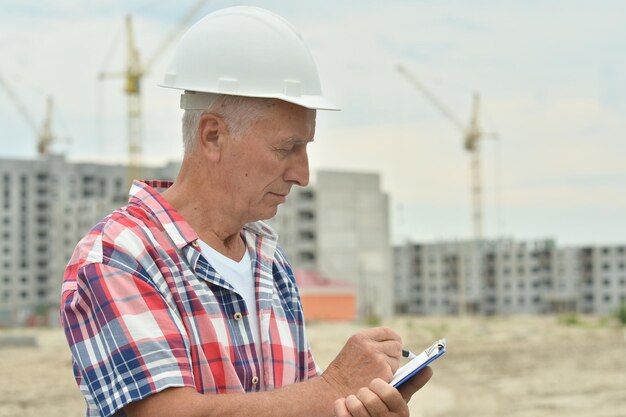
{"x":268,"y":159}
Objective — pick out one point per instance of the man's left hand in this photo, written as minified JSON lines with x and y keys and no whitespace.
{"x":381,"y":399}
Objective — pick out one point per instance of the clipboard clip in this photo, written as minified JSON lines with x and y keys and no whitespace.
{"x":437,"y":346}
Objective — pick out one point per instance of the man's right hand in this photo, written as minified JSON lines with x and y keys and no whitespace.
{"x":373,"y":353}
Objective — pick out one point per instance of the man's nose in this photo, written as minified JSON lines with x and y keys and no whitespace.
{"x":298,"y":170}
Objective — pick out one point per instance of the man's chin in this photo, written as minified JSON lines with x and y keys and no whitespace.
{"x":268,"y":214}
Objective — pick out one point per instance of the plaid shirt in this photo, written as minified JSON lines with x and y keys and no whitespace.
{"x":143,"y":311}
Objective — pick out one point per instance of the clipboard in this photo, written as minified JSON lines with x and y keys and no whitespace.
{"x":418,"y":363}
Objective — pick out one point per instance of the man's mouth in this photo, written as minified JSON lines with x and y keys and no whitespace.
{"x":280,"y":196}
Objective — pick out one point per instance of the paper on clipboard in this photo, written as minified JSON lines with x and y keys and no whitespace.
{"x":418,"y":363}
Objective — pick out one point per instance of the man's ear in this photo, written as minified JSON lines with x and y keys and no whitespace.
{"x":211,"y":135}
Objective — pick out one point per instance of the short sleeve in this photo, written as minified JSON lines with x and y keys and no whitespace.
{"x":126,"y":341}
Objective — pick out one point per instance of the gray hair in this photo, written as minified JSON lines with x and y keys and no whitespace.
{"x":238,"y":113}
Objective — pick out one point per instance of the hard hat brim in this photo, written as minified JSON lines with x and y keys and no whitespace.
{"x":309,"y":102}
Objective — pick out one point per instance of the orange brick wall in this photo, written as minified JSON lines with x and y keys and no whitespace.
{"x":329,"y":307}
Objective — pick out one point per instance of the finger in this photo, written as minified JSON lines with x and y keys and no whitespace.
{"x":381,"y":334}
{"x":415,"y":383}
{"x":374,"y":405}
{"x":355,"y":407}
{"x":390,"y":397}
{"x":340,"y":408}
{"x":385,"y":340}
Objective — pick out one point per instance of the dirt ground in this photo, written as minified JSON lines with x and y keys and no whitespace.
{"x":494,"y":367}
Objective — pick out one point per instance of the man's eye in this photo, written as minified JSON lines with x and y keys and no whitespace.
{"x":284,"y":151}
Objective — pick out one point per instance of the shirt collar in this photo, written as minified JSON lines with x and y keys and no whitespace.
{"x":147,"y":195}
{"x":262,"y":229}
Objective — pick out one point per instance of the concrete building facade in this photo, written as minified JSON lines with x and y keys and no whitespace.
{"x":602,"y":277}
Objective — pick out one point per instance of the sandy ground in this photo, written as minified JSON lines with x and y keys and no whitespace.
{"x":517,"y":367}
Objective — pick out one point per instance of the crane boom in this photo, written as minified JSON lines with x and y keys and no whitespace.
{"x":432,"y":98}
{"x":182,"y":24}
{"x":44,"y":134}
{"x":18,"y":104}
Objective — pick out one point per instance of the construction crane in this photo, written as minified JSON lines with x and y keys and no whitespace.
{"x":472,"y":136}
{"x":44,"y":134}
{"x":133,"y":75}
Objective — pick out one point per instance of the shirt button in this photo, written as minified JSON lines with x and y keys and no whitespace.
{"x":195,"y":244}
{"x":255,"y":380}
{"x":237,"y":316}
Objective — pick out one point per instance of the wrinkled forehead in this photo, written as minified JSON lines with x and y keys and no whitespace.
{"x":286,"y":122}
{"x":292,"y":114}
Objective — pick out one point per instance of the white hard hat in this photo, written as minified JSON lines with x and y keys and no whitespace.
{"x":245,"y":51}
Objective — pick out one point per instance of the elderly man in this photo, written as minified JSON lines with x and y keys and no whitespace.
{"x":181,"y":303}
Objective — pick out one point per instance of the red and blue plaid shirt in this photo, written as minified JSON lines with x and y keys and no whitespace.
{"x":143,"y":311}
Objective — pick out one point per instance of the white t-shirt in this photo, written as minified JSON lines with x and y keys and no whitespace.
{"x":239,"y":275}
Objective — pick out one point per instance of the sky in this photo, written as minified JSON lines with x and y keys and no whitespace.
{"x":551,"y":76}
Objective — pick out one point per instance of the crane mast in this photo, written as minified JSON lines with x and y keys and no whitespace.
{"x":46,"y":137}
{"x":134,"y":73}
{"x":473,"y":136}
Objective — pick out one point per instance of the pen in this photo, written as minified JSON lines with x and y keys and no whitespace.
{"x":408,"y":354}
